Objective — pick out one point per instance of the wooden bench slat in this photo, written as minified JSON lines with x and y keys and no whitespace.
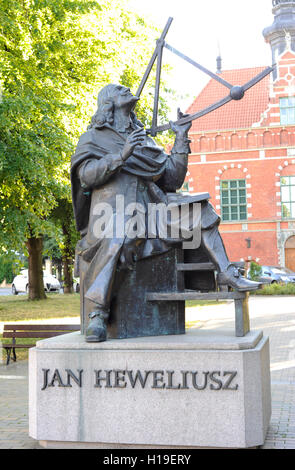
{"x":34,"y":327}
{"x":33,"y":334}
{"x":18,"y":345}
{"x":195,"y":267}
{"x":190,"y":295}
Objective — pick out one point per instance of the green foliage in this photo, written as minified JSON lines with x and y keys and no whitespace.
{"x":6,"y":270}
{"x":10,"y":265}
{"x":55,"y":55}
{"x":66,"y":236}
{"x":255,"y":271}
{"x":276,"y":289}
{"x":51,"y":247}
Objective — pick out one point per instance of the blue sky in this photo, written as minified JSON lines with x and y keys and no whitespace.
{"x":202,"y":27}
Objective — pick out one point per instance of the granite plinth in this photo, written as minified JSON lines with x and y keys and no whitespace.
{"x":201,"y":389}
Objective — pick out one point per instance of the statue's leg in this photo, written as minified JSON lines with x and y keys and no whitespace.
{"x":98,"y":282}
{"x":228,"y":274}
{"x":212,"y":244}
{"x":211,"y":241}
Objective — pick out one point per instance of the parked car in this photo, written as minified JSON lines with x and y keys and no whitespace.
{"x":76,"y":285}
{"x":289,"y":273}
{"x":276,"y":274}
{"x":21,"y":282}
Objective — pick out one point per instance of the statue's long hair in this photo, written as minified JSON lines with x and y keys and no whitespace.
{"x":105,"y":109}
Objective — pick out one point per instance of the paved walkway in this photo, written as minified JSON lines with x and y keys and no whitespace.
{"x":14,"y":426}
{"x":274,"y":315}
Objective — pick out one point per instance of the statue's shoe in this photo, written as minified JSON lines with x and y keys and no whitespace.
{"x":232,"y":278}
{"x":96,"y":331}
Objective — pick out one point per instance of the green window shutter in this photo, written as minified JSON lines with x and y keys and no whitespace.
{"x":288,"y":197}
{"x":233,"y":200}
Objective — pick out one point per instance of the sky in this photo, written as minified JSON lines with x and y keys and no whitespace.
{"x":202,"y":28}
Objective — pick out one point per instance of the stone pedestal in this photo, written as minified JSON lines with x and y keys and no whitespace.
{"x":201,"y":389}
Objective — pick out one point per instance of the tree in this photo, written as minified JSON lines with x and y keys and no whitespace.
{"x":52,"y":252}
{"x":6,"y":270}
{"x":255,"y":271}
{"x":62,"y":215}
{"x":10,"y":263}
{"x":54,"y":57}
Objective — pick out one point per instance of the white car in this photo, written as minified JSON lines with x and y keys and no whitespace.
{"x":76,"y":285}
{"x":21,"y":282}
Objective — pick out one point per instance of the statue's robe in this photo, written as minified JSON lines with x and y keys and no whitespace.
{"x":99,"y":175}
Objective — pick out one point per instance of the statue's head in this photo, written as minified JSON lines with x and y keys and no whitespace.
{"x":108,"y":98}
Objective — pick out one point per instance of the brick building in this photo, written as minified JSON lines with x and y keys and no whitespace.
{"x":243,"y":154}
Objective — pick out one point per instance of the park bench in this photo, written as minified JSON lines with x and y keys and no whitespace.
{"x":16,"y":331}
{"x":209,"y":292}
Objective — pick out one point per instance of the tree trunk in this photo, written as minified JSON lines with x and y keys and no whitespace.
{"x":67,"y":260}
{"x":36,"y":286}
{"x":59,"y":271}
{"x":68,"y":276}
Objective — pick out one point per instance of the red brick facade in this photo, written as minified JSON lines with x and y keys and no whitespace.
{"x":245,"y":140}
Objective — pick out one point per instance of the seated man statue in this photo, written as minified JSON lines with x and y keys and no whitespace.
{"x":116,"y":157}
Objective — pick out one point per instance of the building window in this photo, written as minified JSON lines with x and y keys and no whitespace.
{"x":233,"y":200}
{"x":287,"y":109}
{"x":288,"y":197}
{"x":185,"y":187}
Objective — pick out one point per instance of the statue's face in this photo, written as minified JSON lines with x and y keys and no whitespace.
{"x":123,"y":97}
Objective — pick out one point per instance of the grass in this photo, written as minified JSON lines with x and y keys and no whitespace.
{"x":20,"y":309}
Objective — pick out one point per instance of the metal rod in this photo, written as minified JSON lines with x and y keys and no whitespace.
{"x":157,"y":88}
{"x":217,"y":105}
{"x":197,"y":115}
{"x":259,"y":77}
{"x":200,"y":67}
{"x":154,"y":56}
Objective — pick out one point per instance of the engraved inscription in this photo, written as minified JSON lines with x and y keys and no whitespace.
{"x":215,"y":380}
{"x":61,"y":379}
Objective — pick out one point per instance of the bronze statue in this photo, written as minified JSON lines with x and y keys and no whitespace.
{"x":115,"y":157}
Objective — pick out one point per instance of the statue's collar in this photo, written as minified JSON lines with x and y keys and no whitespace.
{"x":120,"y":131}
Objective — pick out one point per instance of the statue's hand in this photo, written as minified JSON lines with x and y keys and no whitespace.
{"x":135,"y":138}
{"x":180,"y":128}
